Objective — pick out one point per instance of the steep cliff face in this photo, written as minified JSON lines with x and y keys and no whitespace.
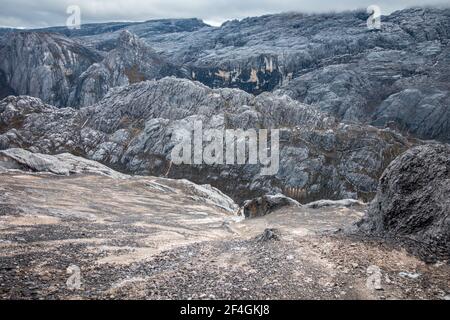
{"x":247,"y":53}
{"x":158,"y":26}
{"x":44,"y":65}
{"x":64,"y":72}
{"x":134,"y":128}
{"x":405,"y":87}
{"x":129,"y":62}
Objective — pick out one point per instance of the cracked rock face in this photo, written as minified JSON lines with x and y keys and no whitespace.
{"x":404,"y":89}
{"x":412,"y":204}
{"x":44,"y":65}
{"x":129,"y":62}
{"x":64,"y":72}
{"x":134,"y":129}
{"x":396,"y":77}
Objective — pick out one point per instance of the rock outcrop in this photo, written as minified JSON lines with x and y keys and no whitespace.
{"x":61,"y":164}
{"x":135,"y":128}
{"x":66,"y":164}
{"x":64,"y":72}
{"x":44,"y":65}
{"x":264,"y":205}
{"x":405,"y":89}
{"x":412,"y":205}
{"x":129,"y":62}
{"x":144,"y":237}
{"x":395,"y":77}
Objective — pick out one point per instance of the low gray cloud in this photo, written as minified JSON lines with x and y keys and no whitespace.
{"x":43,"y":13}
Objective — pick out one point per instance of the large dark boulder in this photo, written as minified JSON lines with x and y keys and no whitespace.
{"x":412,"y":206}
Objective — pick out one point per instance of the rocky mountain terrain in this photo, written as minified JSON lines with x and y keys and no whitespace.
{"x":396,"y":76}
{"x":44,"y":65}
{"x":358,"y":208}
{"x":156,"y":238}
{"x":129,"y":62}
{"x":134,"y":129}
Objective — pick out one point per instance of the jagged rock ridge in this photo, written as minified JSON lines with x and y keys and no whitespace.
{"x":129,"y":62}
{"x":134,"y":129}
{"x":396,"y":77}
{"x":44,"y":65}
{"x":64,"y":72}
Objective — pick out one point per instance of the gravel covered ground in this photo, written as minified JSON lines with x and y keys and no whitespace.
{"x":153,"y":238}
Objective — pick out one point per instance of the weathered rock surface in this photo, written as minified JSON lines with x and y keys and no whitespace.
{"x":167,"y":238}
{"x":134,"y":129}
{"x":405,"y":89}
{"x":264,"y":205}
{"x":64,"y":72}
{"x":111,"y":29}
{"x":5,"y":89}
{"x":129,"y":62}
{"x":66,"y":164}
{"x":268,"y":235}
{"x":44,"y":65}
{"x":396,"y":77}
{"x":412,"y":204}
{"x":344,"y":203}
{"x":61,"y":164}
{"x":149,"y":238}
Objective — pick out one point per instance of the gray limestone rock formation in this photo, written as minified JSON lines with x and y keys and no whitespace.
{"x":395,"y":77}
{"x":344,"y":203}
{"x":412,"y":205}
{"x":135,"y":128}
{"x":129,"y":62}
{"x":64,"y":72}
{"x":43,"y":65}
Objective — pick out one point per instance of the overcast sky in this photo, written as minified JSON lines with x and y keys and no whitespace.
{"x":43,"y":13}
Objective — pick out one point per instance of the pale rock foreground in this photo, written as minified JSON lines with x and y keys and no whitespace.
{"x":155,"y":238}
